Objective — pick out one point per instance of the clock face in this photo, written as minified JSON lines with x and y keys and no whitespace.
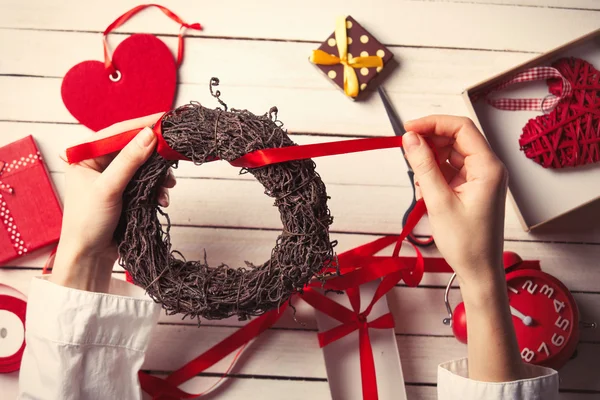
{"x":545,"y":317}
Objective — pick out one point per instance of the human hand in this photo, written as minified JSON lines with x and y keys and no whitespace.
{"x":465,"y":195}
{"x":92,"y":208}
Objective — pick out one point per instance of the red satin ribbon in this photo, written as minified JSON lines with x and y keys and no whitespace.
{"x":123,"y":18}
{"x":363,"y":266}
{"x":48,"y":265}
{"x":115,"y":143}
{"x":260,"y":158}
{"x":256,"y":159}
{"x":167,"y":388}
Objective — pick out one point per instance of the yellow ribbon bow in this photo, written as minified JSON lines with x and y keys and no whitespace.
{"x":350,"y":79}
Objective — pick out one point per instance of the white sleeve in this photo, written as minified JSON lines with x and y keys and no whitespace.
{"x":454,"y":384}
{"x":85,"y":345}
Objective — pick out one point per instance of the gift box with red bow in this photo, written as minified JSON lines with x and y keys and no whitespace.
{"x":356,"y":332}
{"x":30,"y":211}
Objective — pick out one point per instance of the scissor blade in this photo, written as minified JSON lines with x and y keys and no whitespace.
{"x":391,"y":112}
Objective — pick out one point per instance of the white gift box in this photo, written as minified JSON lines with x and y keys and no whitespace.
{"x":540,"y":194}
{"x":342,"y":357}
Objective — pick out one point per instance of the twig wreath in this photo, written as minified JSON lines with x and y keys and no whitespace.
{"x":192,"y":287}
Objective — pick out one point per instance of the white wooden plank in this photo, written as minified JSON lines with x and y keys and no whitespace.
{"x":437,"y":24}
{"x":296,"y":353}
{"x":265,"y":63}
{"x":302,"y":110}
{"x":570,"y":4}
{"x":574,"y":264}
{"x":253,"y":388}
{"x":417,"y":311}
{"x":377,"y":210}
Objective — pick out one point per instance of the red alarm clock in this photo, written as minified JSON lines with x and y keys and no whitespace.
{"x":545,"y":314}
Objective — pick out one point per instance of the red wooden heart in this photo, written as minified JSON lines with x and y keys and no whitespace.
{"x":147,"y":85}
{"x":569,"y":135}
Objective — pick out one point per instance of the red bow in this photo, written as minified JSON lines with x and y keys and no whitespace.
{"x":352,"y":320}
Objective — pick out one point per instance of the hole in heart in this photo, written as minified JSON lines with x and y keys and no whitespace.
{"x":3,"y":333}
{"x":115,"y":76}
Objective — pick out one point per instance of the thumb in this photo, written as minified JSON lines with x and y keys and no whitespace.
{"x":120,"y":171}
{"x":434,"y":187}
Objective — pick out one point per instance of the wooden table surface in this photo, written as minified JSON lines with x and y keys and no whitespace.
{"x":259,"y":50}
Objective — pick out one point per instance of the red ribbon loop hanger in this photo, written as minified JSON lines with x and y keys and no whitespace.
{"x":112,"y":70}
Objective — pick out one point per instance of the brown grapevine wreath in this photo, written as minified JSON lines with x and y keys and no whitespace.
{"x":192,"y":287}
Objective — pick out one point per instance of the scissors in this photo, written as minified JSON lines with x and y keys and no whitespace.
{"x":399,"y":131}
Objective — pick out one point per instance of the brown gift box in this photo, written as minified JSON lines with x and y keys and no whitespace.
{"x":360,"y":44}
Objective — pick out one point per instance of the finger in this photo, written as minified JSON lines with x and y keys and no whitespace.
{"x":119,"y":127}
{"x":163,"y":197}
{"x":433,"y":185}
{"x":456,"y":159}
{"x":170,"y":180}
{"x":119,"y":172}
{"x":468,"y":139}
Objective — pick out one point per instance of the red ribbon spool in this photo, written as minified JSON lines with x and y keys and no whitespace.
{"x":18,"y":307}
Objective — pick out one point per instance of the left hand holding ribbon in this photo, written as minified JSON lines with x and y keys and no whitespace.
{"x":86,"y":251}
{"x":351,"y":87}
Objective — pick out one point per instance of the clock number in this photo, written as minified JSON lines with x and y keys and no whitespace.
{"x":544,"y":347}
{"x":558,"y":340}
{"x":527,"y":354}
{"x":547,"y":290}
{"x":530,"y":286}
{"x":558,"y":305}
{"x":562,"y":323}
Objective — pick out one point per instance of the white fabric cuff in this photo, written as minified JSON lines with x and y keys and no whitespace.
{"x":77,"y":317}
{"x":453,"y":383}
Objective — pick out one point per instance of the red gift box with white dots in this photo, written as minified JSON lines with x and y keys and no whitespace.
{"x":30,"y":211}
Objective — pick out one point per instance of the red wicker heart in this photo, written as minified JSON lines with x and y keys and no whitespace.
{"x":569,"y":135}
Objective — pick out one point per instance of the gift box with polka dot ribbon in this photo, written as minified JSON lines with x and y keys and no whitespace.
{"x":351,"y":57}
{"x":30,"y":211}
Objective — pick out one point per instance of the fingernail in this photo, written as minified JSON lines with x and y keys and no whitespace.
{"x":410,"y":141}
{"x":146,"y":137}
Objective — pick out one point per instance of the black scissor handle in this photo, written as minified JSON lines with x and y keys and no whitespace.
{"x":417,"y":241}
